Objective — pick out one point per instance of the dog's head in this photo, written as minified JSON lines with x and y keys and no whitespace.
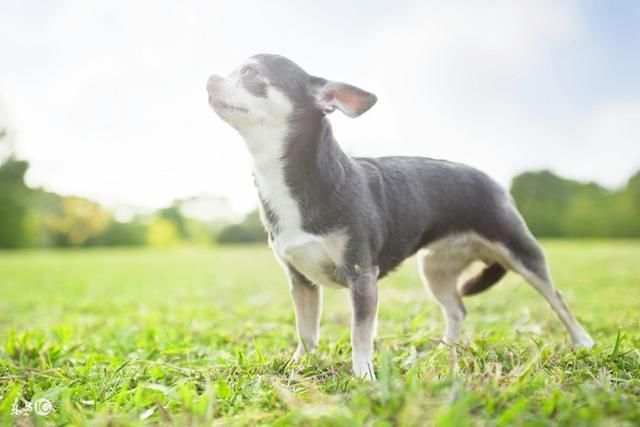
{"x":270,"y":90}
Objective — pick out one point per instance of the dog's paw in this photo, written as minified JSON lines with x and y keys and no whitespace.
{"x":448,"y":342}
{"x":444,"y":343}
{"x":364,"y":370}
{"x":297,"y":355}
{"x":301,"y":350}
{"x":584,"y":341}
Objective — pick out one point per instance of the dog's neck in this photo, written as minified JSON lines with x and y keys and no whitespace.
{"x":292,"y":160}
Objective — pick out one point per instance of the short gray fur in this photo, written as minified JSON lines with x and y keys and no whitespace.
{"x":388,"y":208}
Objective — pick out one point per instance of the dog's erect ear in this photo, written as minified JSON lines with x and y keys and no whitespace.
{"x":351,"y":100}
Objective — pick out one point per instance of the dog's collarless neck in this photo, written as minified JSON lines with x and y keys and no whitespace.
{"x":295,"y":169}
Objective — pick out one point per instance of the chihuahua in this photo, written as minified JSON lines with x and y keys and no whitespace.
{"x":335,"y":220}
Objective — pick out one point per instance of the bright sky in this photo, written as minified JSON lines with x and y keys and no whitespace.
{"x":107,"y":99}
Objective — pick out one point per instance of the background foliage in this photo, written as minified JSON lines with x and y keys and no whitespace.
{"x":558,"y":207}
{"x":33,"y":217}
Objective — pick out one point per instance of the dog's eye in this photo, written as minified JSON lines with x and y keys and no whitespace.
{"x":247,"y":71}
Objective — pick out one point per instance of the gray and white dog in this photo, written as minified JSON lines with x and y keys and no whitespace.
{"x":334,"y":220}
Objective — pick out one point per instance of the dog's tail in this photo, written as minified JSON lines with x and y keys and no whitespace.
{"x":483,"y":280}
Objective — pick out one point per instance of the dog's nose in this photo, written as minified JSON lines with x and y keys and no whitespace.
{"x":214,"y":81}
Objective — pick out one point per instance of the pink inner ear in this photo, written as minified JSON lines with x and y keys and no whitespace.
{"x":350,"y":100}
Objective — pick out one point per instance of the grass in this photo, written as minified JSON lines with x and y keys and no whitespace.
{"x":193,"y":337}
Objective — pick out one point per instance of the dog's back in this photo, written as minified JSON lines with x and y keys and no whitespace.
{"x":423,"y":200}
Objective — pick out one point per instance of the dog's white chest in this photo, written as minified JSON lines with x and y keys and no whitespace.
{"x":316,"y":257}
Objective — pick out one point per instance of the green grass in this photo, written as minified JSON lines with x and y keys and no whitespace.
{"x":203,"y":337}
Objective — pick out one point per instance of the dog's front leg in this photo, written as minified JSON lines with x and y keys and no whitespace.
{"x":364,"y":298}
{"x":307,"y":301}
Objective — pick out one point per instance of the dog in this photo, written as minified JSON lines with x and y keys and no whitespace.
{"x":334,"y":220}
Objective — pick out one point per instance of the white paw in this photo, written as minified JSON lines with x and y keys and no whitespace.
{"x":447,"y":341}
{"x":364,"y":370}
{"x":584,"y":341}
{"x":301,"y":351}
{"x":297,"y":355}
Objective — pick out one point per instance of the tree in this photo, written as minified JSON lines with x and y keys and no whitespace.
{"x":632,"y":191}
{"x":590,"y":212}
{"x":250,"y":230}
{"x":558,"y":207}
{"x":132,"y":233}
{"x":173,"y":214}
{"x":13,"y":204}
{"x":162,"y":233}
{"x":628,"y":206}
{"x":543,"y":199}
{"x":76,"y":220}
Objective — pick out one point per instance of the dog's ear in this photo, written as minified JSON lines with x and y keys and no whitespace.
{"x":349,"y":99}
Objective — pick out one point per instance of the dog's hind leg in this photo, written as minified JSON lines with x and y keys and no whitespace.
{"x":439,"y":275}
{"x":528,"y":260}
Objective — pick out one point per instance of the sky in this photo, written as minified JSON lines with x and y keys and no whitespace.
{"x":107,"y":99}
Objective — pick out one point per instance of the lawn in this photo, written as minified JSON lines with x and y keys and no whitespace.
{"x":203,"y":336}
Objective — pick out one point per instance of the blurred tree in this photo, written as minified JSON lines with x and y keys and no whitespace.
{"x":34,"y":217}
{"x":132,"y":233}
{"x":162,"y":233}
{"x":628,"y":208}
{"x":250,"y":230}
{"x":76,"y":220}
{"x":173,"y":214}
{"x":632,"y":191}
{"x":13,"y":204}
{"x":199,"y":232}
{"x":543,"y":199}
{"x":590,"y":212}
{"x":558,"y":207}
{"x":41,"y":204}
